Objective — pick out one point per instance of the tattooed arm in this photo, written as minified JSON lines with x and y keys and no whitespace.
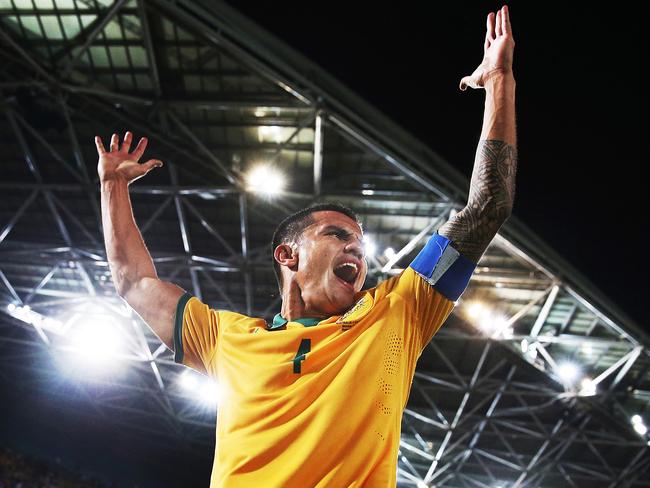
{"x":492,"y":186}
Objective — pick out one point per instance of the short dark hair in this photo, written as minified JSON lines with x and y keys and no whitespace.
{"x":291,"y":228}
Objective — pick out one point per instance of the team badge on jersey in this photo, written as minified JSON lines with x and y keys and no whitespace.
{"x":356,"y":313}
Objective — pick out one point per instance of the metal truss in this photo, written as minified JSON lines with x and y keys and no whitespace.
{"x":489,"y":406}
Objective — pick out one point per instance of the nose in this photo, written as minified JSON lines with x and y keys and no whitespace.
{"x":355,"y":247}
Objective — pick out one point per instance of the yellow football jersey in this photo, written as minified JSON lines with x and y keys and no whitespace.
{"x":314,"y":403}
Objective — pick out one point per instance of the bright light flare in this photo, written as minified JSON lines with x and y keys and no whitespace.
{"x":29,"y":316}
{"x":210,"y":393}
{"x":587,"y":387}
{"x":270,"y":133}
{"x":96,"y":340}
{"x":389,"y":253}
{"x":491,"y":324}
{"x":265,"y":179}
{"x":369,"y":246}
{"x":207,"y":391}
{"x":95,"y":345}
{"x":568,"y":372}
{"x":189,"y":381}
{"x":639,"y":426}
{"x":476,"y":310}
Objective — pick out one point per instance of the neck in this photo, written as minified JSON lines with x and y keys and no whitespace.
{"x":294,"y":307}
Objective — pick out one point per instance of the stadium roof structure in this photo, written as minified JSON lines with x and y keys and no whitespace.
{"x":546,"y":385}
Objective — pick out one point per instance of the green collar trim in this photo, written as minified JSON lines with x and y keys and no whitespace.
{"x":279,"y":321}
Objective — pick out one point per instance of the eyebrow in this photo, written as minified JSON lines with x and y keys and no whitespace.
{"x":331,"y":228}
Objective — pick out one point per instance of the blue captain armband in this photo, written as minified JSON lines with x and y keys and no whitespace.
{"x":444,"y":268}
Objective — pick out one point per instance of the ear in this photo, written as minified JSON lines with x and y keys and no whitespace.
{"x":287,"y":256}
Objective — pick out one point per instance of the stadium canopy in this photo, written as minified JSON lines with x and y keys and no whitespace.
{"x":536,"y":380}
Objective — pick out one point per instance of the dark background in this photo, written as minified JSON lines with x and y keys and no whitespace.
{"x":581,"y":107}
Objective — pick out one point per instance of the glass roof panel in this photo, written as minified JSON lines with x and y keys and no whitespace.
{"x":138,"y":56}
{"x":113,"y":30}
{"x":71,"y":25}
{"x":40,"y":4}
{"x":86,"y":19}
{"x":51,"y":27}
{"x":99,"y":56}
{"x":118,"y":56}
{"x":31,"y":25}
{"x":24,"y":4}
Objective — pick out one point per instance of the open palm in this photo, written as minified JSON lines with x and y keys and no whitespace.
{"x":497,"y":50}
{"x":119,"y":163}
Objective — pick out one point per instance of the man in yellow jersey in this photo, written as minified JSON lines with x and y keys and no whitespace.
{"x":315,"y":399}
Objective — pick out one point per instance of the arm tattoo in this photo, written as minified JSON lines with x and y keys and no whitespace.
{"x":491,"y":195}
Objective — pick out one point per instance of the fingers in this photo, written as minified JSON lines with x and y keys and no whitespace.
{"x":489,"y":32}
{"x":490,"y":27}
{"x":151,"y":164}
{"x":506,"y":22}
{"x":139,"y":150}
{"x":126,"y":145}
{"x":100,"y":145}
{"x":497,"y":25}
{"x":115,"y":143}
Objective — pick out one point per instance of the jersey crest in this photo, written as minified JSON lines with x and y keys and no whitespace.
{"x":356,"y":313}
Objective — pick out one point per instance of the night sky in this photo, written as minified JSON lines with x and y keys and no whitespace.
{"x":581,"y":107}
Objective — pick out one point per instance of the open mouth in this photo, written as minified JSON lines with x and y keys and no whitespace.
{"x":347,"y":272}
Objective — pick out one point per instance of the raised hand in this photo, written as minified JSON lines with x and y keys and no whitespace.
{"x":119,"y":163}
{"x":497,"y":50}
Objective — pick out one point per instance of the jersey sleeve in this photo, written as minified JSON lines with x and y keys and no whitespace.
{"x":195,"y":333}
{"x":431,"y":284}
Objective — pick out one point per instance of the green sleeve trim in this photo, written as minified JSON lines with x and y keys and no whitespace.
{"x":178,"y":328}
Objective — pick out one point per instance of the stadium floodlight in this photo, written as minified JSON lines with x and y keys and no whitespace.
{"x":270,"y":133}
{"x":500,"y":326}
{"x":96,"y":340}
{"x":587,"y":387}
{"x":29,"y":316}
{"x":367,"y":192}
{"x":477,"y":309}
{"x":189,"y":381}
{"x":369,"y":246}
{"x":265,"y":179}
{"x":389,"y":253}
{"x":529,"y":350}
{"x":639,"y":426}
{"x":92,"y":346}
{"x":422,"y":484}
{"x":568,"y":371}
{"x":587,"y":350}
{"x":210,"y":393}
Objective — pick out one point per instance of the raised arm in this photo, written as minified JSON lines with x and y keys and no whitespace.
{"x":134,"y":274}
{"x":492,"y":187}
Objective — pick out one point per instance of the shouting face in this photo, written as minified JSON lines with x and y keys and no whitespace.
{"x":327,"y":263}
